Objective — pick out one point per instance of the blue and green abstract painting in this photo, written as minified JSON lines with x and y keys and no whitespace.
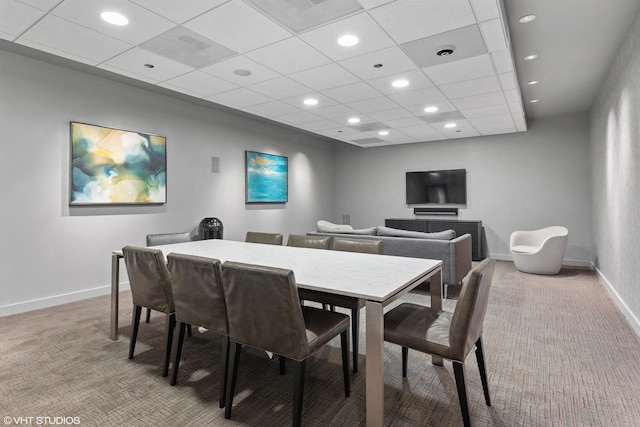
{"x":267,"y":178}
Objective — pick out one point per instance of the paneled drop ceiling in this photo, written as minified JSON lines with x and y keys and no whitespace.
{"x":266,"y":57}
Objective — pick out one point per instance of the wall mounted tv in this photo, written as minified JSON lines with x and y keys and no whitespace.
{"x":443,"y":187}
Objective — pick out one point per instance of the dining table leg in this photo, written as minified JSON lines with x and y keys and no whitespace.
{"x":115,"y":289}
{"x":375,"y":363}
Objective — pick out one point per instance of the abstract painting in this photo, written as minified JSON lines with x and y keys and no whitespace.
{"x":266,"y":178}
{"x":113,"y":166}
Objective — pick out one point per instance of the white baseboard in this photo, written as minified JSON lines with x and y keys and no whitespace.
{"x":24,"y":306}
{"x":567,"y":262}
{"x":622,"y":306}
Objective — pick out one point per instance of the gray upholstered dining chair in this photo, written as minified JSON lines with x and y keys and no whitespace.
{"x":315,"y":242}
{"x":351,"y":303}
{"x":445,"y":334}
{"x":151,"y":288}
{"x":196,"y":283}
{"x":264,"y":312}
{"x":266,"y":238}
{"x":165,"y":239}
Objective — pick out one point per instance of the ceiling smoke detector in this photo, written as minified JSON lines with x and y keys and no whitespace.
{"x":445,"y":50}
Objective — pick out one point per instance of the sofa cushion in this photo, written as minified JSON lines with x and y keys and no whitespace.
{"x":394,"y":232}
{"x":371,"y":231}
{"x":329,"y":227}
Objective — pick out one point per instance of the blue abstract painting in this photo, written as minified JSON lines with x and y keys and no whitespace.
{"x":266,"y":178}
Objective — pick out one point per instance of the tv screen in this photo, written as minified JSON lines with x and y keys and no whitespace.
{"x":444,"y":187}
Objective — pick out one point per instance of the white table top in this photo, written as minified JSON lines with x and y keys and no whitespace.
{"x":368,"y":276}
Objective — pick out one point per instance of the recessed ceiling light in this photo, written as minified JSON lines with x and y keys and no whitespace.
{"x":242,"y":73}
{"x":310,"y":101}
{"x":450,"y":125}
{"x":526,"y":19}
{"x":383,"y":133}
{"x":431,"y":109}
{"x":530,"y":57}
{"x":348,"y":40}
{"x":354,"y":120}
{"x":533,"y":82}
{"x":400,"y":83}
{"x":534,"y":100}
{"x":114,"y":18}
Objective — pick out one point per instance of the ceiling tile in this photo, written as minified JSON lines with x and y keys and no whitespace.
{"x":143,"y":25}
{"x":442,"y":117}
{"x":226,"y":70}
{"x":422,"y":132}
{"x":416,"y":79}
{"x":396,"y":137}
{"x":179,"y":11}
{"x":16,"y":17}
{"x":494,"y":35}
{"x":391,"y":114}
{"x":491,"y":110}
{"x":325,"y":77}
{"x":485,"y":9}
{"x":464,"y":69}
{"x":321,"y":125}
{"x":280,"y":88}
{"x":508,"y":80}
{"x":187,"y":47}
{"x":407,"y":20}
{"x":393,"y":61}
{"x":79,"y":43}
{"x":238,"y":26}
{"x":298,"y":101}
{"x":370,"y":4}
{"x":374,"y":104}
{"x":478,"y":101}
{"x":371,"y":36}
{"x":199,"y":84}
{"x":494,"y":124}
{"x":241,"y":97}
{"x":44,"y":5}
{"x":443,"y":107}
{"x":471,"y":87}
{"x":289,"y":56}
{"x":403,"y":123}
{"x":502,"y":60}
{"x":133,"y":63}
{"x":353,"y":92}
{"x":273,"y":109}
{"x":299,"y":118}
{"x":418,"y":97}
{"x":464,"y":43}
{"x":337,"y":112}
{"x":463,"y":129}
{"x":302,"y":15}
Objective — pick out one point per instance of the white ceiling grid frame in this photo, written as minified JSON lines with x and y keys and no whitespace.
{"x":179,"y":11}
{"x":16,"y":17}
{"x":289,"y":56}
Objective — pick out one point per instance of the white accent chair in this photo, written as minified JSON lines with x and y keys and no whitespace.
{"x":539,"y":251}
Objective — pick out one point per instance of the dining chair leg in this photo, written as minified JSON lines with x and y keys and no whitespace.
{"x":234,"y":361}
{"x":458,"y":370}
{"x":189,"y":333}
{"x":225,"y":369}
{"x":298,"y":391}
{"x":177,"y":353}
{"x":483,"y":370}
{"x":355,"y":336}
{"x":148,"y":315}
{"x":135,"y":323}
{"x":344,"y":346}
{"x":282,"y":364}
{"x":170,"y":325}
{"x":405,"y":357}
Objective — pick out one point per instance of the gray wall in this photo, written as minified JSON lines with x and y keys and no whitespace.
{"x":520,"y":181}
{"x":615,"y":158}
{"x":52,"y":254}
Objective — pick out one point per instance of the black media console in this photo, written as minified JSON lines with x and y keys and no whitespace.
{"x":432,"y":225}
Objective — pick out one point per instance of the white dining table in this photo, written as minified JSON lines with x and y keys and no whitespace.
{"x":379,"y":279}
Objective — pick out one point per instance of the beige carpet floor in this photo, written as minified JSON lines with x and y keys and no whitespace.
{"x":558,"y":353}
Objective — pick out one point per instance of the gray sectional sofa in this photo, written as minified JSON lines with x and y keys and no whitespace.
{"x":455,"y":252}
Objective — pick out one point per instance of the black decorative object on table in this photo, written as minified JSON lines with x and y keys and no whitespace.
{"x":210,"y":228}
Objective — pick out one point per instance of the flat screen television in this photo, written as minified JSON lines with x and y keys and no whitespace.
{"x":443,"y":187}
